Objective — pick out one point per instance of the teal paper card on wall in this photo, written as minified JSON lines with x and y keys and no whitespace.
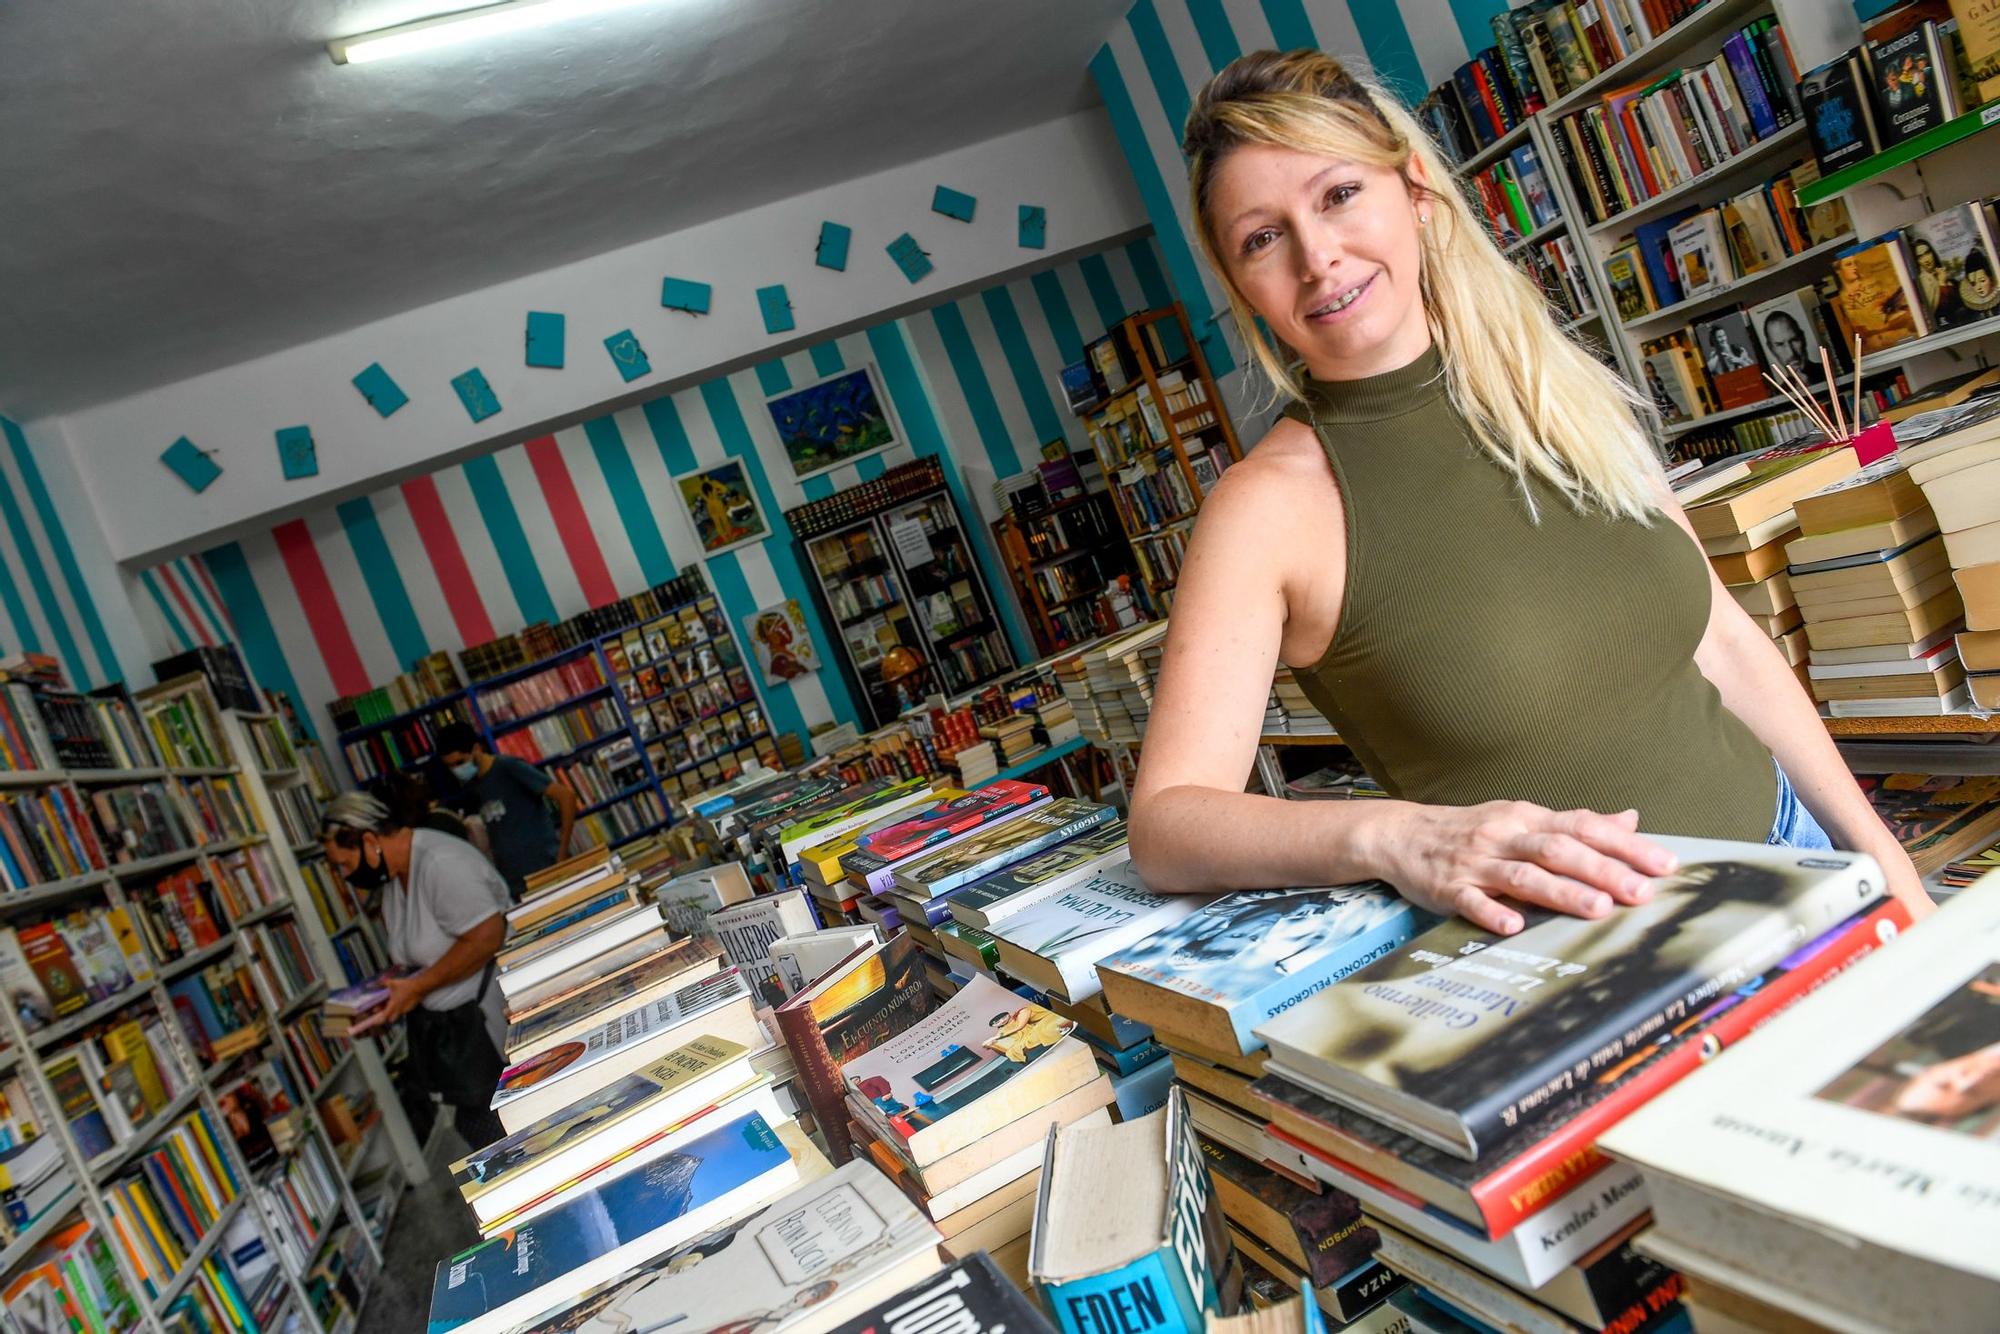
{"x":628,"y":356}
{"x":681,"y":294}
{"x":297,"y":452}
{"x":777,"y":308}
{"x":1034,"y":226}
{"x":383,"y":394}
{"x":910,"y":257}
{"x":477,"y":395}
{"x":545,"y":339}
{"x":191,"y":464}
{"x":831,"y":252}
{"x":953,"y":203}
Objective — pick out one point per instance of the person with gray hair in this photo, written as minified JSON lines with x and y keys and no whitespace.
{"x":445,"y":911}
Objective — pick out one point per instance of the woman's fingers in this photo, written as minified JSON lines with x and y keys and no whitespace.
{"x":1616,"y":836}
{"x":1477,"y":906}
{"x":1569,"y":856}
{"x":1528,"y":882}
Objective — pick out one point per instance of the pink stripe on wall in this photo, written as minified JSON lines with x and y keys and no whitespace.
{"x":454,"y":576}
{"x":200,"y":568}
{"x":194,"y":618}
{"x":572,"y":523}
{"x":321,"y":607}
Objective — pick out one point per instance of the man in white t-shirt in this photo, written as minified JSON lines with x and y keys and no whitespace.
{"x":445,"y":911}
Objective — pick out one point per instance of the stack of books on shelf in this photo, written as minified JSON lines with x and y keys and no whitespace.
{"x":1958,"y":470}
{"x":1110,"y":687}
{"x":541,"y":691}
{"x":560,"y":733}
{"x":1203,"y":985}
{"x":1289,"y":712}
{"x":34,"y":1176}
{"x":1869,"y":572}
{"x":1650,"y":137}
{"x":165,"y":1205}
{"x":1829,"y":1172}
{"x":1918,"y":66}
{"x":54,"y":964}
{"x":1455,"y":1087}
{"x":45,"y":836}
{"x":71,"y":1281}
{"x":1744,"y":517}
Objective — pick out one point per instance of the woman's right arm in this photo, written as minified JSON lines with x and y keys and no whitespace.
{"x":1257,"y":550}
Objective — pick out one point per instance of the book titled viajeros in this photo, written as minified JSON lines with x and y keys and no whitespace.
{"x":811,"y":1257}
{"x":1248,"y":957}
{"x":1459,"y":1037}
{"x":1056,"y":944}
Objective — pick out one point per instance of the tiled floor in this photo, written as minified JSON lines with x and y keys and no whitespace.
{"x":432,"y":1223}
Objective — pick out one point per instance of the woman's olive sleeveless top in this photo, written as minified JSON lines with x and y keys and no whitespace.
{"x":1481,"y":655}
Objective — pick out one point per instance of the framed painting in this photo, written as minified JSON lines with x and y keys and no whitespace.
{"x":722,"y":506}
{"x":835,"y":421}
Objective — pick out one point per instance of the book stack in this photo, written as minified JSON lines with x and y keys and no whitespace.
{"x":1830,"y":1172}
{"x":1289,"y":712}
{"x":1869,"y":571}
{"x":1109,"y":687}
{"x":1743,"y":523}
{"x":1012,"y":737}
{"x":34,"y":1177}
{"x":347,"y":1009}
{"x":71,"y":1281}
{"x":1455,"y":1086}
{"x":974,"y":762}
{"x":1203,"y":985}
{"x":820,"y":868}
{"x":956,"y":1108}
{"x":1958,"y":470}
{"x":924,"y":886}
{"x":1056,"y":720}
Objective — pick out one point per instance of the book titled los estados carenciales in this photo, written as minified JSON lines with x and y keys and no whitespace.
{"x":1460,"y":1036}
{"x":523,"y":1272}
{"x":1248,"y":957}
{"x":811,"y":1257}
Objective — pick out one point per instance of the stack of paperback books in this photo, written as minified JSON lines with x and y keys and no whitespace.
{"x":1203,"y":985}
{"x":819,"y":865}
{"x":1871,"y":577}
{"x":1456,"y":1086}
{"x":1959,"y":471}
{"x":1838,"y":1169}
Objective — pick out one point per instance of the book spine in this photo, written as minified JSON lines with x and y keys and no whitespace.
{"x":1150,"y":1288}
{"x":1274,"y":1000}
{"x":819,"y":1076}
{"x":1511,"y":1108}
{"x":1561,"y":1160}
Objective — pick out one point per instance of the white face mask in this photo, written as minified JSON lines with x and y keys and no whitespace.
{"x":466,"y":772}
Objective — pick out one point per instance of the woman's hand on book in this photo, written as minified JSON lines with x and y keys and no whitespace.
{"x":1474,"y":860}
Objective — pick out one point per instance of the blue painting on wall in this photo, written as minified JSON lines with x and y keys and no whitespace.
{"x":832,"y":422}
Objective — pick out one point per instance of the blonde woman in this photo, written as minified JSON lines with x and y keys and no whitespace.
{"x":1461,"y":541}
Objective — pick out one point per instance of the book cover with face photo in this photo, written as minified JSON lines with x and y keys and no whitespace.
{"x":1788,"y":334}
{"x":1667,"y":385}
{"x":1729,"y":355}
{"x":1953,"y":255}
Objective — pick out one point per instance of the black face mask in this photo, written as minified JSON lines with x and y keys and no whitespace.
{"x":368,"y":877}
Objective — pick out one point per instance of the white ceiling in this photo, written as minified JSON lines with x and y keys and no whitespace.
{"x":185,"y":184}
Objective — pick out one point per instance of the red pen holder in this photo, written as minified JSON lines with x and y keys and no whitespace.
{"x":1877,"y":442}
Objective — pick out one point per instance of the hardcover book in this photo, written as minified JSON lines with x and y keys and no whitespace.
{"x":970,"y":1296}
{"x":1857,"y":1136}
{"x":993,"y":802}
{"x":976,"y":1062}
{"x":999,"y":846}
{"x":869,"y":997}
{"x":1877,"y":296}
{"x":821,"y":1252}
{"x":800,"y":960}
{"x":748,"y":929}
{"x":687,"y":900}
{"x":1956,"y":265}
{"x":1910,"y":82}
{"x":1729,"y":355}
{"x":1128,"y":1220}
{"x":509,"y":1279}
{"x":1787,"y":329}
{"x":555,"y":958}
{"x":1029,"y":882}
{"x":1840,"y":114}
{"x":1552,"y":1156}
{"x":667,"y":970}
{"x":819,"y":863}
{"x":559,"y":1075}
{"x":1700,"y":257}
{"x":1055,"y":945}
{"x":1460,"y":1036}
{"x":1320,"y":1233}
{"x":1671,"y":388}
{"x":864,"y":805}
{"x":1248,"y":957}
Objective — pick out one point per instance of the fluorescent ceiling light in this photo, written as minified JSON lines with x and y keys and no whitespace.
{"x":466,"y":25}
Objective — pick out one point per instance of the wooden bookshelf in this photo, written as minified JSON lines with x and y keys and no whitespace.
{"x":1078,"y":541}
{"x":1188,"y":446}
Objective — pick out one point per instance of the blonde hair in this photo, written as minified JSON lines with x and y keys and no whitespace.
{"x":1537,"y":402}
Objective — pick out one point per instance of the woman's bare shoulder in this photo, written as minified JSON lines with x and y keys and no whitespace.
{"x":1270,"y":476}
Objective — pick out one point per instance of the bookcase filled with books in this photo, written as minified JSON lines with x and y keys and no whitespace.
{"x":141,"y":885}
{"x":1161,"y":433}
{"x":629,"y":710}
{"x":1067,"y":558}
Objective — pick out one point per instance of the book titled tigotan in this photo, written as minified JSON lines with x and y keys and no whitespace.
{"x":1459,"y":1037}
{"x":1027,"y":883}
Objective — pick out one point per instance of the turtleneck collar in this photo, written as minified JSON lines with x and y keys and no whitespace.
{"x":1389,"y":394}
